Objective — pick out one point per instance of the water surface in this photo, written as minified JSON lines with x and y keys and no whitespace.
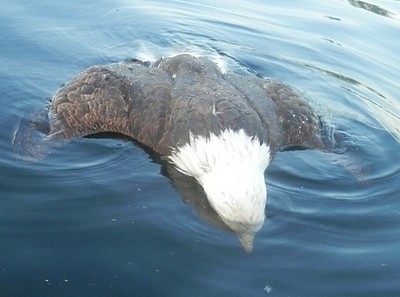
{"x":99,"y":218}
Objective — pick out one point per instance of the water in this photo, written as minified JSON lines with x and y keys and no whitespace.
{"x":98,"y":218}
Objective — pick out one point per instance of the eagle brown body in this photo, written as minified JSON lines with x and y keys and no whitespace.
{"x":159,"y":105}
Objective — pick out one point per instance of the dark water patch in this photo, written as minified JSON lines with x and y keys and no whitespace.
{"x":371,"y":8}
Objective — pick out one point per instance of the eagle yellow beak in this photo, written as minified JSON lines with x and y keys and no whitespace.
{"x":247,"y":240}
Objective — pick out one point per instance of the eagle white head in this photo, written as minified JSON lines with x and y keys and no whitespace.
{"x":230,"y":168}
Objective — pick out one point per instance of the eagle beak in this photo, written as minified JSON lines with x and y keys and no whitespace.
{"x":247,"y":240}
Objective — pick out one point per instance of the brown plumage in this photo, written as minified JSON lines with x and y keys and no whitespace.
{"x":159,"y":104}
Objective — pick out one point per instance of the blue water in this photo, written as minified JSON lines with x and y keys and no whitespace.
{"x":98,"y":218}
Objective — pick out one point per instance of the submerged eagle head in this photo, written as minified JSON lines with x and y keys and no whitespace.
{"x":230,"y":167}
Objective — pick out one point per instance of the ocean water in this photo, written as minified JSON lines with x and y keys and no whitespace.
{"x":102,"y":217}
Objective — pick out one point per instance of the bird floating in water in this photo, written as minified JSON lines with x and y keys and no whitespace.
{"x":222,"y":129}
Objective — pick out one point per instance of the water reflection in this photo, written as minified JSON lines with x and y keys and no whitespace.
{"x":371,"y":7}
{"x":193,"y":194}
{"x":386,"y":111}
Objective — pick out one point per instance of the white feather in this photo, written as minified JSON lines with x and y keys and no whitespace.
{"x":230,"y":167}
